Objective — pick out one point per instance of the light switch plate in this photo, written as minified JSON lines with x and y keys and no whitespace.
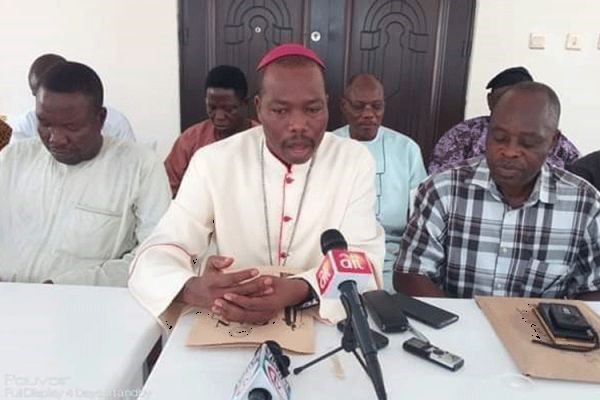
{"x":573,"y":41}
{"x":537,"y":41}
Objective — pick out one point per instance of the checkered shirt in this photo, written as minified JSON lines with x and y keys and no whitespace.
{"x":466,"y":239}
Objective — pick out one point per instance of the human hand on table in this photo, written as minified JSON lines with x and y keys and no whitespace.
{"x":239,"y":307}
{"x":215,"y":282}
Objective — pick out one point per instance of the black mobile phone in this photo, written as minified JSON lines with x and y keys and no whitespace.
{"x":566,"y":321}
{"x":381,"y":341}
{"x":424,"y":312}
{"x":385,"y":311}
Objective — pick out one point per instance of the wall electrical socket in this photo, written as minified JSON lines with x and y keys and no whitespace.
{"x":573,"y":41}
{"x":537,"y":41}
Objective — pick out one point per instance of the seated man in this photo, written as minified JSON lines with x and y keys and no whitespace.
{"x":5,"y":132}
{"x":467,"y":139}
{"x":25,"y":125}
{"x":226,"y":92}
{"x":507,"y":223}
{"x":588,"y":168}
{"x":399,"y":165}
{"x":262,"y":197}
{"x":75,"y":204}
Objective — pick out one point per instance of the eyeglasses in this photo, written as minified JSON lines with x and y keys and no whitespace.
{"x":360,"y":106}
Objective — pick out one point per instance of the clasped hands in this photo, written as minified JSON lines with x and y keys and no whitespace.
{"x":241,"y":296}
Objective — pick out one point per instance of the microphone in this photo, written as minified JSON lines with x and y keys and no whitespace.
{"x":344,"y":273}
{"x":341,"y":265}
{"x":264,"y":378}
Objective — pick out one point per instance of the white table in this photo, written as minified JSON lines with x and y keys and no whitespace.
{"x":488,"y":373}
{"x":72,"y":342}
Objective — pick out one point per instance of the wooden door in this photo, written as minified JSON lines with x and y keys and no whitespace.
{"x":418,"y":48}
{"x":406,"y":44}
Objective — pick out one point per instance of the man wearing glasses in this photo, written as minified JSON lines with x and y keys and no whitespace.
{"x":399,"y":164}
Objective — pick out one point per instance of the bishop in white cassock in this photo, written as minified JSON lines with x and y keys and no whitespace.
{"x":263,"y":197}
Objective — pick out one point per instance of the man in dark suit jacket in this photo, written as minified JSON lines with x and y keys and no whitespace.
{"x":588,"y":168}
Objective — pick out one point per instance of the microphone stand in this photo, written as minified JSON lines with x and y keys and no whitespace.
{"x":349,"y":345}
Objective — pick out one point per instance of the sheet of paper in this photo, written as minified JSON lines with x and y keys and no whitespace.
{"x":293,"y":330}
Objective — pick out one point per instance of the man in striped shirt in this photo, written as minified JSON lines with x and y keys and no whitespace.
{"x":507,"y":223}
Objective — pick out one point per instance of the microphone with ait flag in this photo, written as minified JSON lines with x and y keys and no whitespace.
{"x":341,"y":265}
{"x":344,"y":274}
{"x":264,"y":378}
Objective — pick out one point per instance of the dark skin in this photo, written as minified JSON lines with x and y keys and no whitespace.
{"x":421,"y":286}
{"x":69,"y":125}
{"x":494,"y":95}
{"x":224,"y":108}
{"x":416,"y":285}
{"x":34,"y":82}
{"x":214,"y":283}
{"x":363,"y":107}
{"x":521,"y":135}
{"x":589,"y":296}
{"x":292,"y":106}
{"x":39,"y":67}
{"x":241,"y":296}
{"x":281,"y":293}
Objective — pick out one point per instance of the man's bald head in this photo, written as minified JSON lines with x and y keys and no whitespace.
{"x":523,"y":131}
{"x":551,"y":114}
{"x":40,"y":67}
{"x":363,"y":82}
{"x":363,"y":106}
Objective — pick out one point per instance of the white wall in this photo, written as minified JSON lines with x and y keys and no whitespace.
{"x":501,"y":40}
{"x":132,"y":45}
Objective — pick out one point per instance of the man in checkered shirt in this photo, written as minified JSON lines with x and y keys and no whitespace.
{"x":507,"y":223}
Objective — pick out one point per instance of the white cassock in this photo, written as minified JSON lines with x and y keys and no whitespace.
{"x":220,"y":203}
{"x":117,"y":125}
{"x":77,"y":224}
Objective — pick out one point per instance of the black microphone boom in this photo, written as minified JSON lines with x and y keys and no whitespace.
{"x":356,"y":314}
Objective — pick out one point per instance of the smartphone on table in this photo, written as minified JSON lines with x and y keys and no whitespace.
{"x":424,"y":312}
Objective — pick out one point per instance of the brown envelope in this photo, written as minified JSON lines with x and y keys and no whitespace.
{"x":517,"y":324}
{"x":294,"y":331}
